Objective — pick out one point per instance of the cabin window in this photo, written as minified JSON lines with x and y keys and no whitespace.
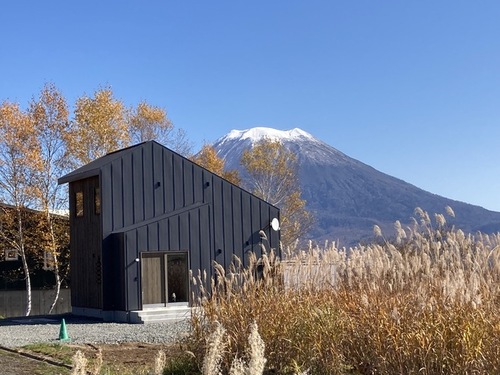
{"x":97,"y":201}
{"x":11,"y":254}
{"x":48,"y":261}
{"x":79,"y":204}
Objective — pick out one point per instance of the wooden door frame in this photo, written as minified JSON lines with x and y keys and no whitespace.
{"x":164,"y":254}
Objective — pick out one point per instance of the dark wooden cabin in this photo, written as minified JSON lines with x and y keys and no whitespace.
{"x":141,"y":218}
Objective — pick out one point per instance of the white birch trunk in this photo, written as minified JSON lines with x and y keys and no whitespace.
{"x":26,"y":270}
{"x":53,"y":248}
{"x":58,"y":284}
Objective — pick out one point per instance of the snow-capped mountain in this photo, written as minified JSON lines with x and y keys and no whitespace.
{"x":347,"y":196}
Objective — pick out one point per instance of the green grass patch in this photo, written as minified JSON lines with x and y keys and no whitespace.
{"x":182,"y":365}
{"x":60,"y":352}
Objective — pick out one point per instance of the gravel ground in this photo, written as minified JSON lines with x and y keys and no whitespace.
{"x":16,"y":332}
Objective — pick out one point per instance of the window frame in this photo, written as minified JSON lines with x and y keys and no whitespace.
{"x":97,"y":200}
{"x":79,"y":204}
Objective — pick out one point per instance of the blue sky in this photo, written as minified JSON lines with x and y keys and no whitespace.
{"x":411,"y":88}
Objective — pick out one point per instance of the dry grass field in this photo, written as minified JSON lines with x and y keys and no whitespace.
{"x":425,"y":302}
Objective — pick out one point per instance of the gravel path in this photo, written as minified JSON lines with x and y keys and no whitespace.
{"x":18,"y":332}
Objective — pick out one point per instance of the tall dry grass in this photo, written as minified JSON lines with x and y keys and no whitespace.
{"x":426,"y":302}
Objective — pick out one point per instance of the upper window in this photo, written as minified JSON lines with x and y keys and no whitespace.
{"x":79,"y":204}
{"x":97,"y":201}
{"x":10,"y":254}
{"x":48,"y":261}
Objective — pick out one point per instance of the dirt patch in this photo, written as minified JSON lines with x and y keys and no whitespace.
{"x":123,"y":359}
{"x":12,"y":363}
{"x":127,"y":357}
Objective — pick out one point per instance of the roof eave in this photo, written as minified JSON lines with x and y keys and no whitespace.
{"x":70,"y":177}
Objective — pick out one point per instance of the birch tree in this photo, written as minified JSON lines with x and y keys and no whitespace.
{"x":102,"y":124}
{"x":147,"y":122}
{"x":49,"y":114}
{"x":273,"y":172}
{"x":99,"y":126}
{"x":208,"y":158}
{"x":19,"y":157}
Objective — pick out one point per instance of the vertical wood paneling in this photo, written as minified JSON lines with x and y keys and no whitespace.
{"x":246,"y":208}
{"x":256,"y":226}
{"x":113,"y":273}
{"x":168,"y":180}
{"x":158,"y":178}
{"x":86,"y":248}
{"x":188,"y":182}
{"x":120,"y":265}
{"x":265,"y":222}
{"x":130,"y":194}
{"x":142,"y":239}
{"x":148,"y":192}
{"x":173,"y":233}
{"x":184,"y":231}
{"x":228,"y":218}
{"x":198,"y":184}
{"x":128,"y":191}
{"x":152,"y":237}
{"x":218,"y":215}
{"x":153,"y":281}
{"x":207,"y":186}
{"x":117,"y":194}
{"x":178,"y":180}
{"x":163,"y":234}
{"x":194,"y":240}
{"x":206,"y":249}
{"x":264,"y":215}
{"x":106,"y":199}
{"x":132,"y":283}
{"x":138,"y":183}
{"x":238,"y":242}
{"x":275,"y":235}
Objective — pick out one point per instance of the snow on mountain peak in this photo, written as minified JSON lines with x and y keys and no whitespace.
{"x":259,"y":133}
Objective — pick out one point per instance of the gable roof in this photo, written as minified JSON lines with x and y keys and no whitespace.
{"x":92,"y":169}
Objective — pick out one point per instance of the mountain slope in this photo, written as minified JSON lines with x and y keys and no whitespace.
{"x":347,"y":196}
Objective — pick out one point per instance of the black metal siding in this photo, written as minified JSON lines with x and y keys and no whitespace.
{"x":113,"y":279}
{"x":132,"y":285}
{"x":177,"y":180}
{"x":147,"y":183}
{"x":119,"y":209}
{"x":158,"y":178}
{"x":156,"y":200}
{"x":185,"y":231}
